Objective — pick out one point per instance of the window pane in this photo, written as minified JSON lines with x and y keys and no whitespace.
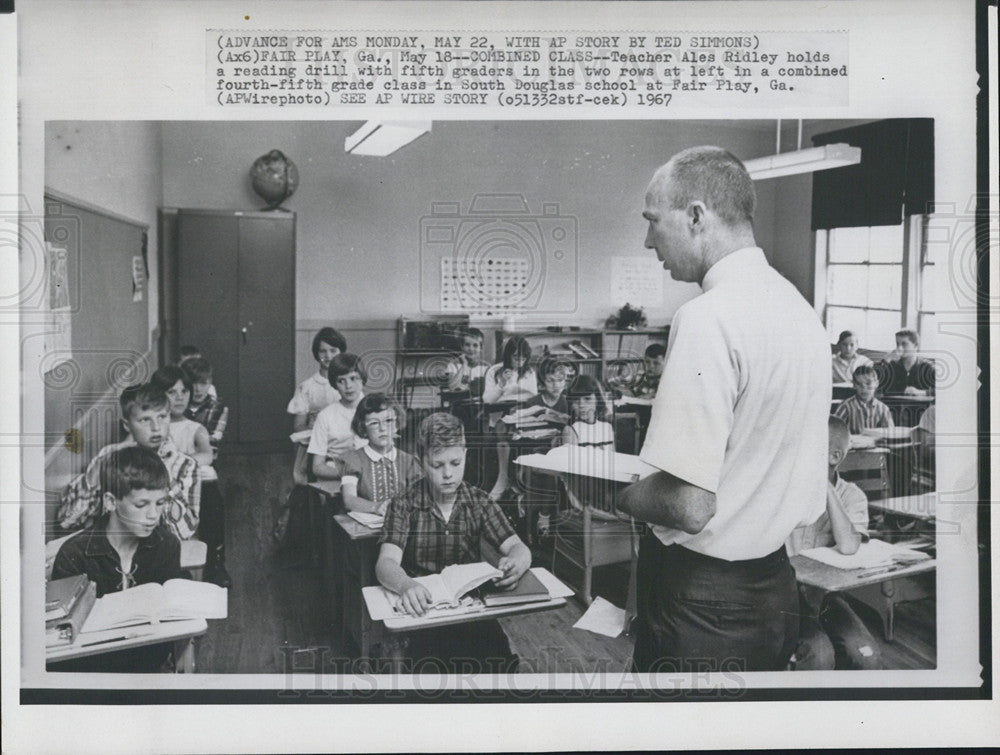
{"x":927,"y":329}
{"x":880,"y":332}
{"x":886,"y":244}
{"x":848,"y":245}
{"x":885,"y":286}
{"x":839,"y":319}
{"x":847,"y":284}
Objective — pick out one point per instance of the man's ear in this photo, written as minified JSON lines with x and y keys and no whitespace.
{"x":696,"y":215}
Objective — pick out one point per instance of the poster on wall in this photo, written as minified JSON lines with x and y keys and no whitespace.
{"x":138,"y":277}
{"x":58,"y":338}
{"x":636,"y":281}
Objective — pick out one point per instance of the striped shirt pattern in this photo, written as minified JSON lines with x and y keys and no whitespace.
{"x":858,"y":415}
{"x":81,"y":505}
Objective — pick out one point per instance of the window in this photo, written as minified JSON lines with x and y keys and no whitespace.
{"x":864,"y":284}
{"x":873,"y":281}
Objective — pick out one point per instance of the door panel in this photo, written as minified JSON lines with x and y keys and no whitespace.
{"x":207,"y":299}
{"x":267,"y":311}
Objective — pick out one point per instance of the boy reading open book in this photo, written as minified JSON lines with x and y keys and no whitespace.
{"x":437,"y":522}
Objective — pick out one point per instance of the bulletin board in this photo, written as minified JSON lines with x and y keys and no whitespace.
{"x":98,"y":289}
{"x":485,"y":287}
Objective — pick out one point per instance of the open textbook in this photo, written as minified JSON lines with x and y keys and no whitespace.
{"x":174,"y":600}
{"x":588,"y":461}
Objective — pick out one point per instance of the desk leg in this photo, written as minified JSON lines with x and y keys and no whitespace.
{"x":184,"y":656}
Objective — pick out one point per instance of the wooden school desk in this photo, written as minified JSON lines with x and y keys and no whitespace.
{"x":323,"y":495}
{"x":879,"y":587}
{"x":355,"y":548}
{"x":922,"y":507}
{"x":126,"y":638}
{"x":397,"y":627}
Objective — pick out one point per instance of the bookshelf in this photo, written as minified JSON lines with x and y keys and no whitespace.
{"x":591,"y":350}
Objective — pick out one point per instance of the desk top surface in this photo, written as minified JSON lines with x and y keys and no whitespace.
{"x":354,"y":529}
{"x":124,"y":638}
{"x":922,"y":506}
{"x":411,"y":623}
{"x":808,"y":571}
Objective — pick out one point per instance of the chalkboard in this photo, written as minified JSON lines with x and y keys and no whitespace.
{"x":105,"y":255}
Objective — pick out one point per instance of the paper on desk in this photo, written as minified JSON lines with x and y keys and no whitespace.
{"x":372,"y":521}
{"x":590,"y":462}
{"x":870,"y":554}
{"x":603,"y":617}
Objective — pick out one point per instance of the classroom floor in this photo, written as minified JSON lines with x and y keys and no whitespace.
{"x":280,"y":617}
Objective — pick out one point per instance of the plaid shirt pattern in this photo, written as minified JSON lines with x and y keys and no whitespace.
{"x":858,"y":415}
{"x":213,"y":415}
{"x":429,"y":543}
{"x":80,"y":504}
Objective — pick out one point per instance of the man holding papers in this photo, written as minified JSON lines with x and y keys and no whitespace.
{"x":738,"y":432}
{"x":437,"y":522}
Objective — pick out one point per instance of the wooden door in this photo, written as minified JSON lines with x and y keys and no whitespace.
{"x":236,"y":302}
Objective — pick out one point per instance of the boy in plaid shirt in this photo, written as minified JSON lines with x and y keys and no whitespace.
{"x":205,"y":407}
{"x":146,"y":417}
{"x":440,"y":520}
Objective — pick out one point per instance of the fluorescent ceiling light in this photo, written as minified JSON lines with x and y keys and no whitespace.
{"x":803,"y":161}
{"x":384,"y":137}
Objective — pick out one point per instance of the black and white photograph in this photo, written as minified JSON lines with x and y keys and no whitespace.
{"x":410,"y":404}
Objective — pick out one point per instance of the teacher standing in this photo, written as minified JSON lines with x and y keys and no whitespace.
{"x":738,"y":432}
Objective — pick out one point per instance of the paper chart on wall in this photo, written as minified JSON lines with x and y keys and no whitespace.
{"x":637,"y":281}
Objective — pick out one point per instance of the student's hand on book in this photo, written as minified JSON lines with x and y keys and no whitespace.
{"x":513,"y":567}
{"x":415,"y":599}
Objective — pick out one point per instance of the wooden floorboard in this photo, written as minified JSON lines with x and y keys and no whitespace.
{"x":280,"y":613}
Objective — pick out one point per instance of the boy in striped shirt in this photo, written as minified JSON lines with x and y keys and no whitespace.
{"x":863,"y":410}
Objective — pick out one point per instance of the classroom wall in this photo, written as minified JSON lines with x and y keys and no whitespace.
{"x":362,"y":214}
{"x":114,"y":166}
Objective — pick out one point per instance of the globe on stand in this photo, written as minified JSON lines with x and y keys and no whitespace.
{"x":275,"y":178}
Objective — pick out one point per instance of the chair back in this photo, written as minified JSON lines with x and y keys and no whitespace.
{"x":868,"y":470}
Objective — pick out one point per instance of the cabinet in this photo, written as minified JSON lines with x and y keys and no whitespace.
{"x":236,"y":301}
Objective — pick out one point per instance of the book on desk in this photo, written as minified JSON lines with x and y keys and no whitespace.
{"x":174,"y":600}
{"x":383,"y":604}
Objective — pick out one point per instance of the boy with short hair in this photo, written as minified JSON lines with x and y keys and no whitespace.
{"x":210,"y":413}
{"x":863,"y":410}
{"x":146,"y":416}
{"x":645,"y":385}
{"x":204,"y":407}
{"x":127,"y":545}
{"x":189,"y":352}
{"x":905,"y":371}
{"x":441,"y":520}
{"x":469,"y":365}
{"x":838,"y":639}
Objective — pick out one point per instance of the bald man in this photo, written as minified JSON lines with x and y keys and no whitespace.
{"x":738,"y":431}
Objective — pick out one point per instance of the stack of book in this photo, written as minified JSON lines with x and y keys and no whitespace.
{"x":67,"y":605}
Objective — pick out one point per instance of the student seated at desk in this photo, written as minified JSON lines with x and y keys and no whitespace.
{"x":512,"y":379}
{"x":314,"y":394}
{"x":440,"y":520}
{"x":549,"y":408}
{"x":838,"y":639}
{"x":127,"y":545}
{"x":847,"y":359}
{"x":378,"y":471}
{"x":863,"y":410}
{"x":645,"y":383}
{"x":204,"y":406}
{"x":469,"y":365}
{"x":332,"y":436}
{"x":192,"y":438}
{"x":906,"y":372}
{"x":186,"y":354}
{"x":588,"y":407}
{"x":146,"y":417}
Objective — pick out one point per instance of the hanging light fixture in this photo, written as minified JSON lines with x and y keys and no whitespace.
{"x":801,"y":160}
{"x":382,"y":138}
